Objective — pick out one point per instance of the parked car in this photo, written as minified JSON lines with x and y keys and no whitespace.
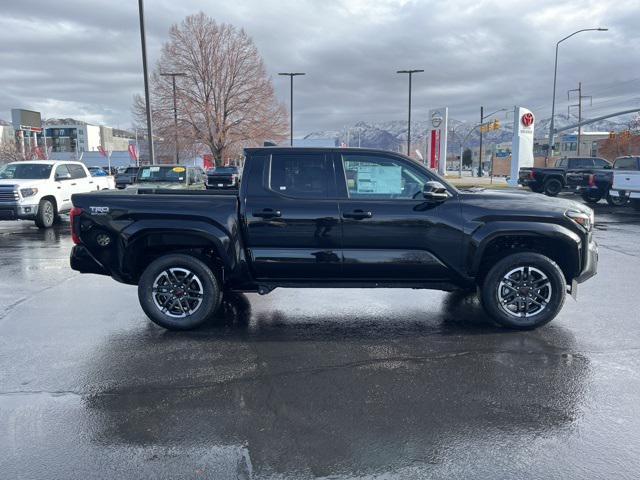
{"x":626,"y":179}
{"x":126,"y":177}
{"x":172,"y":177}
{"x":41,"y":190}
{"x":330,"y":217}
{"x":551,"y":181}
{"x":97,"y":172}
{"x":223,"y":177}
{"x":594,"y":184}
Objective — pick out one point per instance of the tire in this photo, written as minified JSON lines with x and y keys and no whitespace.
{"x":47,"y":213}
{"x":592,"y":197}
{"x":635,"y":203}
{"x":552,"y":187}
{"x":536,"y":188}
{"x":550,"y":297}
{"x":619,"y":201}
{"x":166,"y":275}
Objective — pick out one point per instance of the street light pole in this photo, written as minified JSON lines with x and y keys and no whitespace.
{"x":410,"y":72}
{"x":555,"y":75}
{"x":291,"y":75}
{"x":173,"y":76}
{"x":147,"y":100}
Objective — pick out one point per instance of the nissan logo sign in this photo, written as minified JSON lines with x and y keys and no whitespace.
{"x":527,"y":119}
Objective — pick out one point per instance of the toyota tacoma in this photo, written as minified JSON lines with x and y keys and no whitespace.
{"x":337,"y":218}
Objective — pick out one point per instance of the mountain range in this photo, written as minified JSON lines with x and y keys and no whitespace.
{"x":392,"y":135}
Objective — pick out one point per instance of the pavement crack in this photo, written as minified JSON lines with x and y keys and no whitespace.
{"x":11,"y":306}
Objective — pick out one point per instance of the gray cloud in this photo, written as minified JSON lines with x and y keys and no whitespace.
{"x":82,"y":58}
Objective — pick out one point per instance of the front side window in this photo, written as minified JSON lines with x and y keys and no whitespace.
{"x":62,"y":172}
{"x":300,"y":175}
{"x":373,"y":177}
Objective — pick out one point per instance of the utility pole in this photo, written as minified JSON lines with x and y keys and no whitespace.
{"x":147,"y":99}
{"x":291,"y":75}
{"x":410,"y":72}
{"x":173,"y":76}
{"x":579,"y":105}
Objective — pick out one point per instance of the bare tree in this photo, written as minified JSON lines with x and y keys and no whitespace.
{"x":226,"y":100}
{"x":9,"y":152}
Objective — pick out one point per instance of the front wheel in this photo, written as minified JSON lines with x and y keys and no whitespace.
{"x":523,"y":291}
{"x":47,"y":214}
{"x":179,"y":292}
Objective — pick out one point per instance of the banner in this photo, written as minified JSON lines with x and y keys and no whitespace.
{"x":133,"y":152}
{"x":522,"y":145}
{"x":102,"y":151}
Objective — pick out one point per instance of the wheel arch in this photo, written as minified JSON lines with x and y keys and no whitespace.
{"x":556,"y":242}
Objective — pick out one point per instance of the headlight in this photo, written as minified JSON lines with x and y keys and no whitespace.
{"x":28,"y":192}
{"x":585,"y":220}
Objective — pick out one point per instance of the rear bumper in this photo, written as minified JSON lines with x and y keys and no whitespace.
{"x":590,"y":267}
{"x":82,"y":261}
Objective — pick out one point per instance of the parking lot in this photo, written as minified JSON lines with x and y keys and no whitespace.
{"x":314,"y":383}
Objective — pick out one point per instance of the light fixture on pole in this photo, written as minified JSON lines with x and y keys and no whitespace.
{"x":291,"y":75}
{"x":147,"y":99}
{"x":410,"y":72}
{"x":173,"y":76}
{"x":555,"y":75}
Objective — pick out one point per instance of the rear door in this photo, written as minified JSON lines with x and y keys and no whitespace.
{"x":626,"y":175}
{"x":292,"y":225}
{"x":389,"y":231}
{"x":80,"y":181}
{"x":63,"y":180}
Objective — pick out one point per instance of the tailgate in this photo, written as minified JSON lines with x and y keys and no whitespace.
{"x":525,"y":173}
{"x":627,"y":180}
{"x":578,"y":179}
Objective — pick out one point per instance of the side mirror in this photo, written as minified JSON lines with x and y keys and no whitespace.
{"x":435,"y":192}
{"x":63,"y":176}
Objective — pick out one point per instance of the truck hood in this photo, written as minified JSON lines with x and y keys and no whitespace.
{"x":22,"y":183}
{"x":521,"y":202}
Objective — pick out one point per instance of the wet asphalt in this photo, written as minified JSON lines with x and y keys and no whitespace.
{"x":314,"y":383}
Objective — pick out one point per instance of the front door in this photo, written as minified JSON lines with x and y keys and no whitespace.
{"x":389,"y":231}
{"x":291,"y":218}
{"x":63,"y":180}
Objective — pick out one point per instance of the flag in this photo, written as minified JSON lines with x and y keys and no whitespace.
{"x":102,"y":151}
{"x":133,"y":152}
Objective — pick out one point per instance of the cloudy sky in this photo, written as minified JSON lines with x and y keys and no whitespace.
{"x":81,"y":58}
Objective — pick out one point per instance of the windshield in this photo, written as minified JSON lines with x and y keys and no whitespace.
{"x":162,"y":174}
{"x":224,"y":170}
{"x":26,"y":171}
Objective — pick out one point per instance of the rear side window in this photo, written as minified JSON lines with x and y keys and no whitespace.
{"x":300,"y":175}
{"x":76,"y":171}
{"x":561,"y":163}
{"x":626,"y":163}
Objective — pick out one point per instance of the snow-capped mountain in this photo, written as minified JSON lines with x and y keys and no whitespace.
{"x":392,"y":135}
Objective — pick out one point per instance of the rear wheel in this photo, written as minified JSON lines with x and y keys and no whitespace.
{"x":523,"y":291}
{"x":179,"y":292}
{"x":46,"y":213}
{"x":552,"y":187}
{"x":592,"y":196}
{"x":536,"y":188}
{"x":618,"y":201}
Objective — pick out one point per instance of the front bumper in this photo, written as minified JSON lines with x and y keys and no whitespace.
{"x":18,"y":212}
{"x":590,"y":266}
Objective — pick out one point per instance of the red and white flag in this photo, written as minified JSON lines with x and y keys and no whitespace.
{"x":102,"y":151}
{"x":133,"y":152}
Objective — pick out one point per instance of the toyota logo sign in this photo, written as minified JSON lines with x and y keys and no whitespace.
{"x":527,"y":119}
{"x":436,"y":119}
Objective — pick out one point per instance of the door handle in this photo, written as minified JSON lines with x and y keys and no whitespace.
{"x":268,"y":213}
{"x":73,"y":184}
{"x":91,"y":182}
{"x":357,"y":214}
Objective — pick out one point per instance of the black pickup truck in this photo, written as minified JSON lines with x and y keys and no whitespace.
{"x":335,"y":218}
{"x":551,"y":181}
{"x":594,"y":184}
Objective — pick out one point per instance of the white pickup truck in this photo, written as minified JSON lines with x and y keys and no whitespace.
{"x":626,"y":179}
{"x":40,"y":190}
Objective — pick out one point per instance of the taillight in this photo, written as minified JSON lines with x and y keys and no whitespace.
{"x":592,"y":180}
{"x":75,"y":212}
{"x":532,"y":174}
